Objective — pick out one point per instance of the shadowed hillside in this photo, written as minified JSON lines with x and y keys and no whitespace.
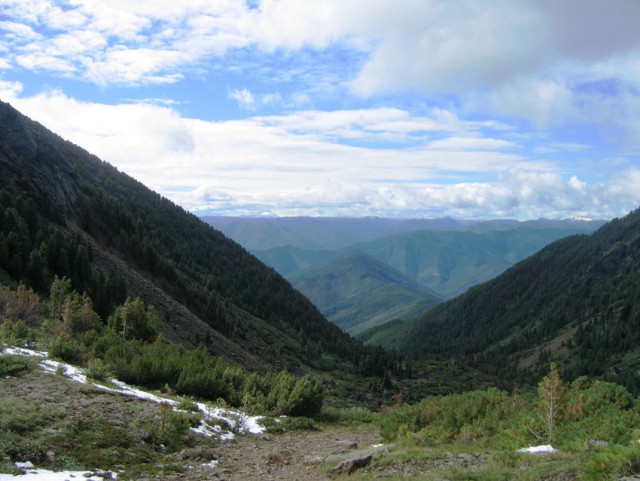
{"x":576,"y":302}
{"x":67,"y":213}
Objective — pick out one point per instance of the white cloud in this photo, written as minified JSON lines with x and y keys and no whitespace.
{"x":470,"y":143}
{"x":524,"y":59}
{"x":10,"y":90}
{"x":18,"y":31}
{"x":544,"y":103}
{"x":244,"y":97}
{"x":134,"y":66}
{"x":291,"y":165}
{"x":439,"y":48}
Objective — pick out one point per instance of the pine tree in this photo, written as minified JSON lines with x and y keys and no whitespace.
{"x":552,"y":395}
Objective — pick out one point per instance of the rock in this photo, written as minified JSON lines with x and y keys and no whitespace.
{"x":351,"y":465}
{"x":51,"y":456}
{"x":598,"y":443}
{"x":196,"y":454}
{"x":348,"y":444}
{"x":276,"y":458}
{"x":312,"y":460}
{"x":371,"y":450}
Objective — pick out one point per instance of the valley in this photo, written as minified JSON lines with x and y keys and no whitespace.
{"x":473,"y":328}
{"x":432,"y":259}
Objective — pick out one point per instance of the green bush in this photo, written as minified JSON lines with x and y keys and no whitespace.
{"x":135,"y":320}
{"x":97,"y":370}
{"x":70,"y":351}
{"x":612,"y":463}
{"x":13,"y":365}
{"x":284,"y":424}
{"x":198,"y":373}
{"x":472,"y":415}
{"x":334,"y":415}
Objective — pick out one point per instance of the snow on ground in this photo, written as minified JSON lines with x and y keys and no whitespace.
{"x":238,"y":421}
{"x":32,"y":474}
{"x":545,"y":448}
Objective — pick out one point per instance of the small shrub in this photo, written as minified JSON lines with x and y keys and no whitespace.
{"x":173,"y":428}
{"x":97,"y":370}
{"x":13,"y":365}
{"x":614,"y":462}
{"x":271,"y":425}
{"x":284,"y":424}
{"x":298,"y":423}
{"x":68,"y":350}
{"x":186,"y":405}
{"x":334,"y":415}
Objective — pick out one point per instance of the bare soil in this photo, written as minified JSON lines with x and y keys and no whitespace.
{"x":294,"y":455}
{"x":290,"y":456}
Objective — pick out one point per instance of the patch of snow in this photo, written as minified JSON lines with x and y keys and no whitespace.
{"x":212,"y":464}
{"x":46,"y":475}
{"x":240,"y":422}
{"x":137,"y":393}
{"x":72,"y":372}
{"x":21,"y":351}
{"x":545,"y":448}
{"x":214,"y":431}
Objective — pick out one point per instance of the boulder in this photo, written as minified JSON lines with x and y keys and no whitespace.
{"x":349,"y":466}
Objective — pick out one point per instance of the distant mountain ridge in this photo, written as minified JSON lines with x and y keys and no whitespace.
{"x":333,"y":233}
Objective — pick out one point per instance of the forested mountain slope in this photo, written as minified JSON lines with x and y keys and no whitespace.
{"x":357,"y":292}
{"x":577,"y":302}
{"x":446,"y":261}
{"x":450,"y":262}
{"x":65,"y":212}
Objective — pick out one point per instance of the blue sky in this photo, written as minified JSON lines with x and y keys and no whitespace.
{"x":393,"y":108}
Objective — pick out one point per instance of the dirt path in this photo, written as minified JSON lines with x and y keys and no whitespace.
{"x":290,"y":456}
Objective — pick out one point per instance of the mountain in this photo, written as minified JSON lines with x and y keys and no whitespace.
{"x":450,"y":262}
{"x":357,"y":292}
{"x":576,"y":302}
{"x":324,"y":233}
{"x":67,"y":213}
{"x":288,"y":260}
{"x":260,"y":234}
{"x":447,"y":262}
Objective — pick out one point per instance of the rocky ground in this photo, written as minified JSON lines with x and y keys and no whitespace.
{"x":294,"y":455}
{"x":298,"y":455}
{"x":326,"y":453}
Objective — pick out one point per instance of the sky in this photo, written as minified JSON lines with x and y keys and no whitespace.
{"x":392,"y":108}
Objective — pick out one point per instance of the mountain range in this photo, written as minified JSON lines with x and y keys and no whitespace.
{"x":576,"y":303}
{"x":445,"y":256}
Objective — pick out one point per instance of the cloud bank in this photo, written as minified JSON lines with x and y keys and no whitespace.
{"x":515,"y":108}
